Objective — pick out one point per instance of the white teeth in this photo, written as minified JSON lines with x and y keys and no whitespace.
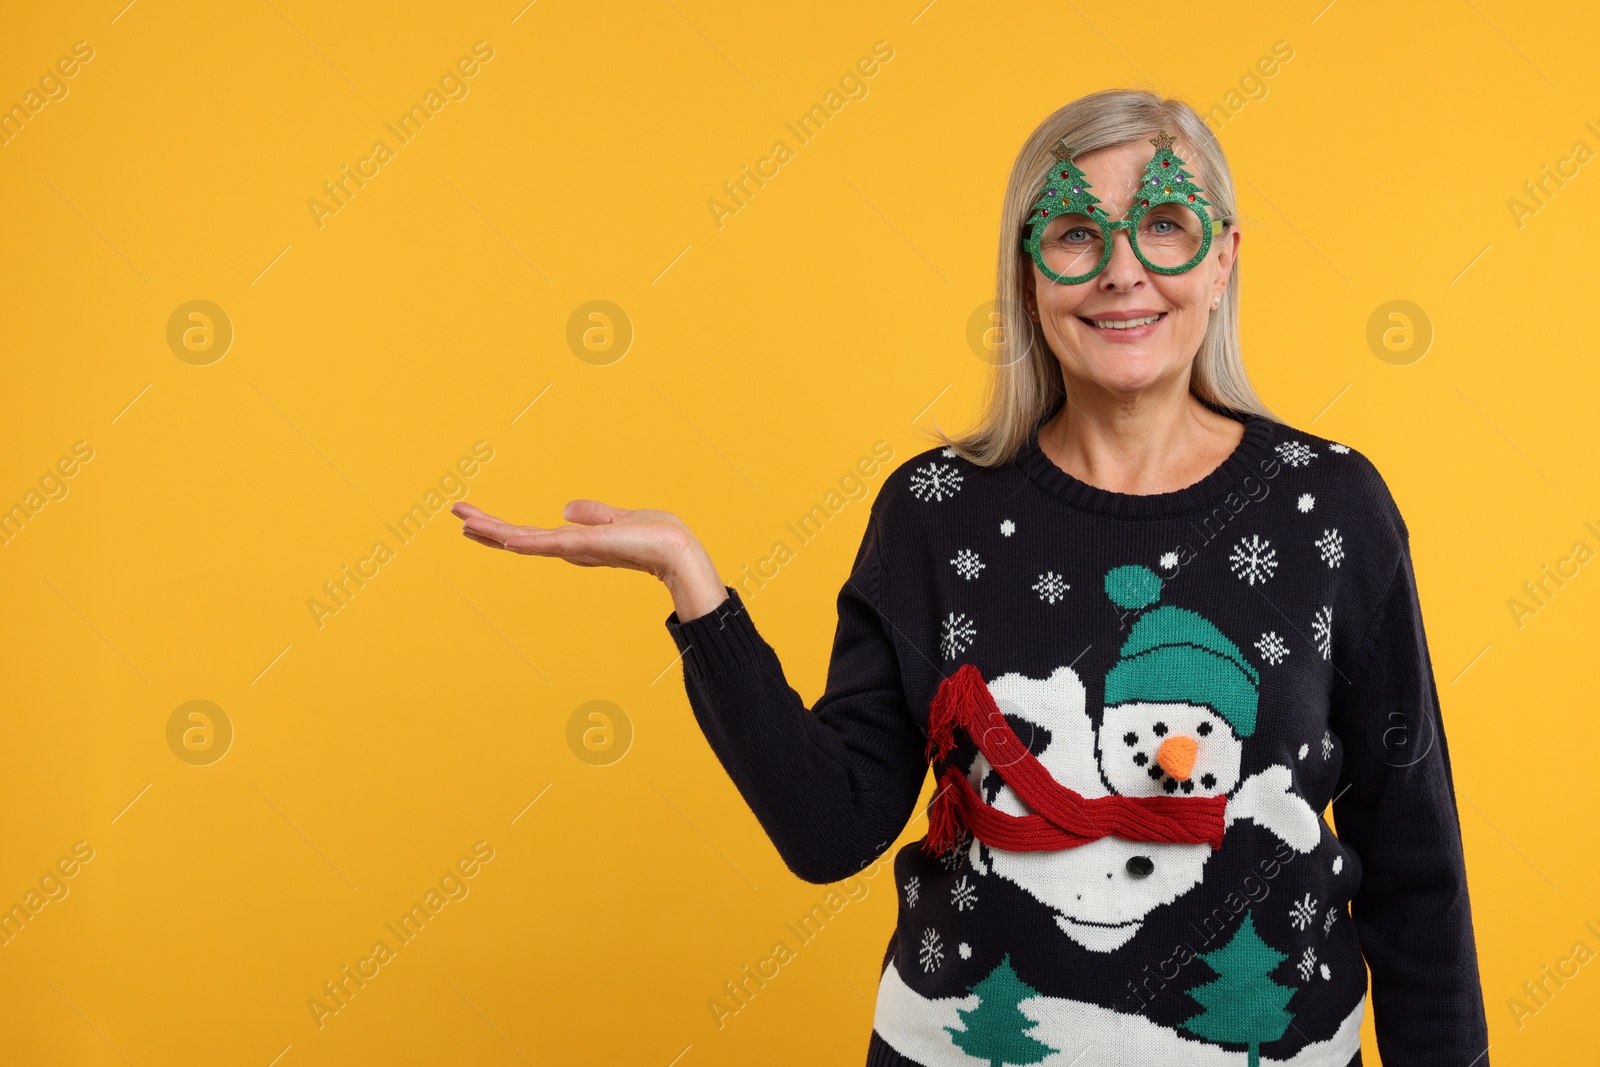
{"x":1126,"y":324}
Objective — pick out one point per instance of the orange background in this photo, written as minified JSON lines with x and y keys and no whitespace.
{"x":373,"y":347}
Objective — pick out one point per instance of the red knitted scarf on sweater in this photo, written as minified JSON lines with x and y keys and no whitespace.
{"x":1062,"y":817}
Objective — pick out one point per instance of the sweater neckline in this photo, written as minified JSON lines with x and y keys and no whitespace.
{"x":1242,"y":462}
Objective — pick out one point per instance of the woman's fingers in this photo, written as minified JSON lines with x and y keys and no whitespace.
{"x":495,"y":528}
{"x":463,"y":510}
{"x":592,"y":512}
{"x":489,"y":541}
{"x":579,"y":513}
{"x":569,"y":542}
{"x":626,"y":546}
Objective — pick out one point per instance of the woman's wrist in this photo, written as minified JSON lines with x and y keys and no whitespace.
{"x":695,"y":586}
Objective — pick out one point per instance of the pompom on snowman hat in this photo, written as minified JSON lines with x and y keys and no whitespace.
{"x":1176,"y":655}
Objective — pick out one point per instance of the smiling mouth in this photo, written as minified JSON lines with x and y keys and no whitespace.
{"x":1101,"y":926}
{"x":1122,"y":324}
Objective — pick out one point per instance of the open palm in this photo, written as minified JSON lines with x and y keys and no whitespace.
{"x":599,"y":535}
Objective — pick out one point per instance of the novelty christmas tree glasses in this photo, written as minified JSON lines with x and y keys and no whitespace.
{"x":1168,"y":225}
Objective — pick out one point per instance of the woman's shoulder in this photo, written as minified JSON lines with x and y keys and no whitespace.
{"x":1339,"y":501}
{"x":1334,"y":478}
{"x":932,"y":481}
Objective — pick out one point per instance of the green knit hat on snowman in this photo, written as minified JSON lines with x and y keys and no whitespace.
{"x":1174,"y":654}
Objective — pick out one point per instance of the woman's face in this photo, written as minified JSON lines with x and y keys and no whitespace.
{"x":1131,"y":359}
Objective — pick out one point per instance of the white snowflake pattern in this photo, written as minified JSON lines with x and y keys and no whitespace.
{"x":1327,"y":923}
{"x":965,"y":950}
{"x":1306,"y":502}
{"x":1295,"y":454}
{"x":958,"y":852}
{"x":1326,"y":974}
{"x":1331,"y":547}
{"x":1007,"y":527}
{"x":1338,"y":864}
{"x":1254,"y":559}
{"x":948,"y":453}
{"x":936,"y":482}
{"x":1050,"y":587}
{"x":963,"y":895}
{"x":1302,"y":753}
{"x":1327,"y":744}
{"x":913,"y":890}
{"x":968,"y":564}
{"x":931,"y":952}
{"x":1308,"y":962}
{"x":1335,"y":447}
{"x":1272,"y":647}
{"x":1169,"y":560}
{"x":957,"y":635}
{"x":1322,"y":630}
{"x":1303,"y":912}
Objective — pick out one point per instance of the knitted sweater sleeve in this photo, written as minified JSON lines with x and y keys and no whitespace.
{"x":832,"y":785}
{"x":1395,"y":808}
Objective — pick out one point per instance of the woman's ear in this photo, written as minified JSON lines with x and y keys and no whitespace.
{"x":1030,"y":298}
{"x":1226,"y":254}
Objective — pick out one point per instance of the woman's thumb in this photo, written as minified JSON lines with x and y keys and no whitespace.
{"x":591,"y":512}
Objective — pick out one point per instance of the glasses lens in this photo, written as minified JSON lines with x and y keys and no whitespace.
{"x":1072,"y":245}
{"x":1170,"y":235}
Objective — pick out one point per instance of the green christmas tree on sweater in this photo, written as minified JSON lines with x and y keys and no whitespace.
{"x":996,"y":1030}
{"x":1244,"y":1004}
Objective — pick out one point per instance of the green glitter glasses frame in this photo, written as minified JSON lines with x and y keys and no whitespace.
{"x":1175,"y":238}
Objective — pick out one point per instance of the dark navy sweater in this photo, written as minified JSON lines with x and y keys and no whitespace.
{"x":1257,"y":636}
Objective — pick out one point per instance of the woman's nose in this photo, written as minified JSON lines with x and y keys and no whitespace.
{"x":1176,"y":756}
{"x":1123,"y":266}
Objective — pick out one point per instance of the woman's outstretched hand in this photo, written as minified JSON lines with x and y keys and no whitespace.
{"x":599,"y":535}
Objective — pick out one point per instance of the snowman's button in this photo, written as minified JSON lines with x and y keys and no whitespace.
{"x":1140,"y":866}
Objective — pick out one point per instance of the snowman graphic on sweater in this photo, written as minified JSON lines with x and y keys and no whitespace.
{"x":1180,"y":703}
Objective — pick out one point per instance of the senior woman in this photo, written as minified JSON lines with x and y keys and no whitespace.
{"x":1144,"y":633}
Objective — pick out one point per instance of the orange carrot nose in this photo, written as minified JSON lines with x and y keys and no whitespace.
{"x":1176,"y":756}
